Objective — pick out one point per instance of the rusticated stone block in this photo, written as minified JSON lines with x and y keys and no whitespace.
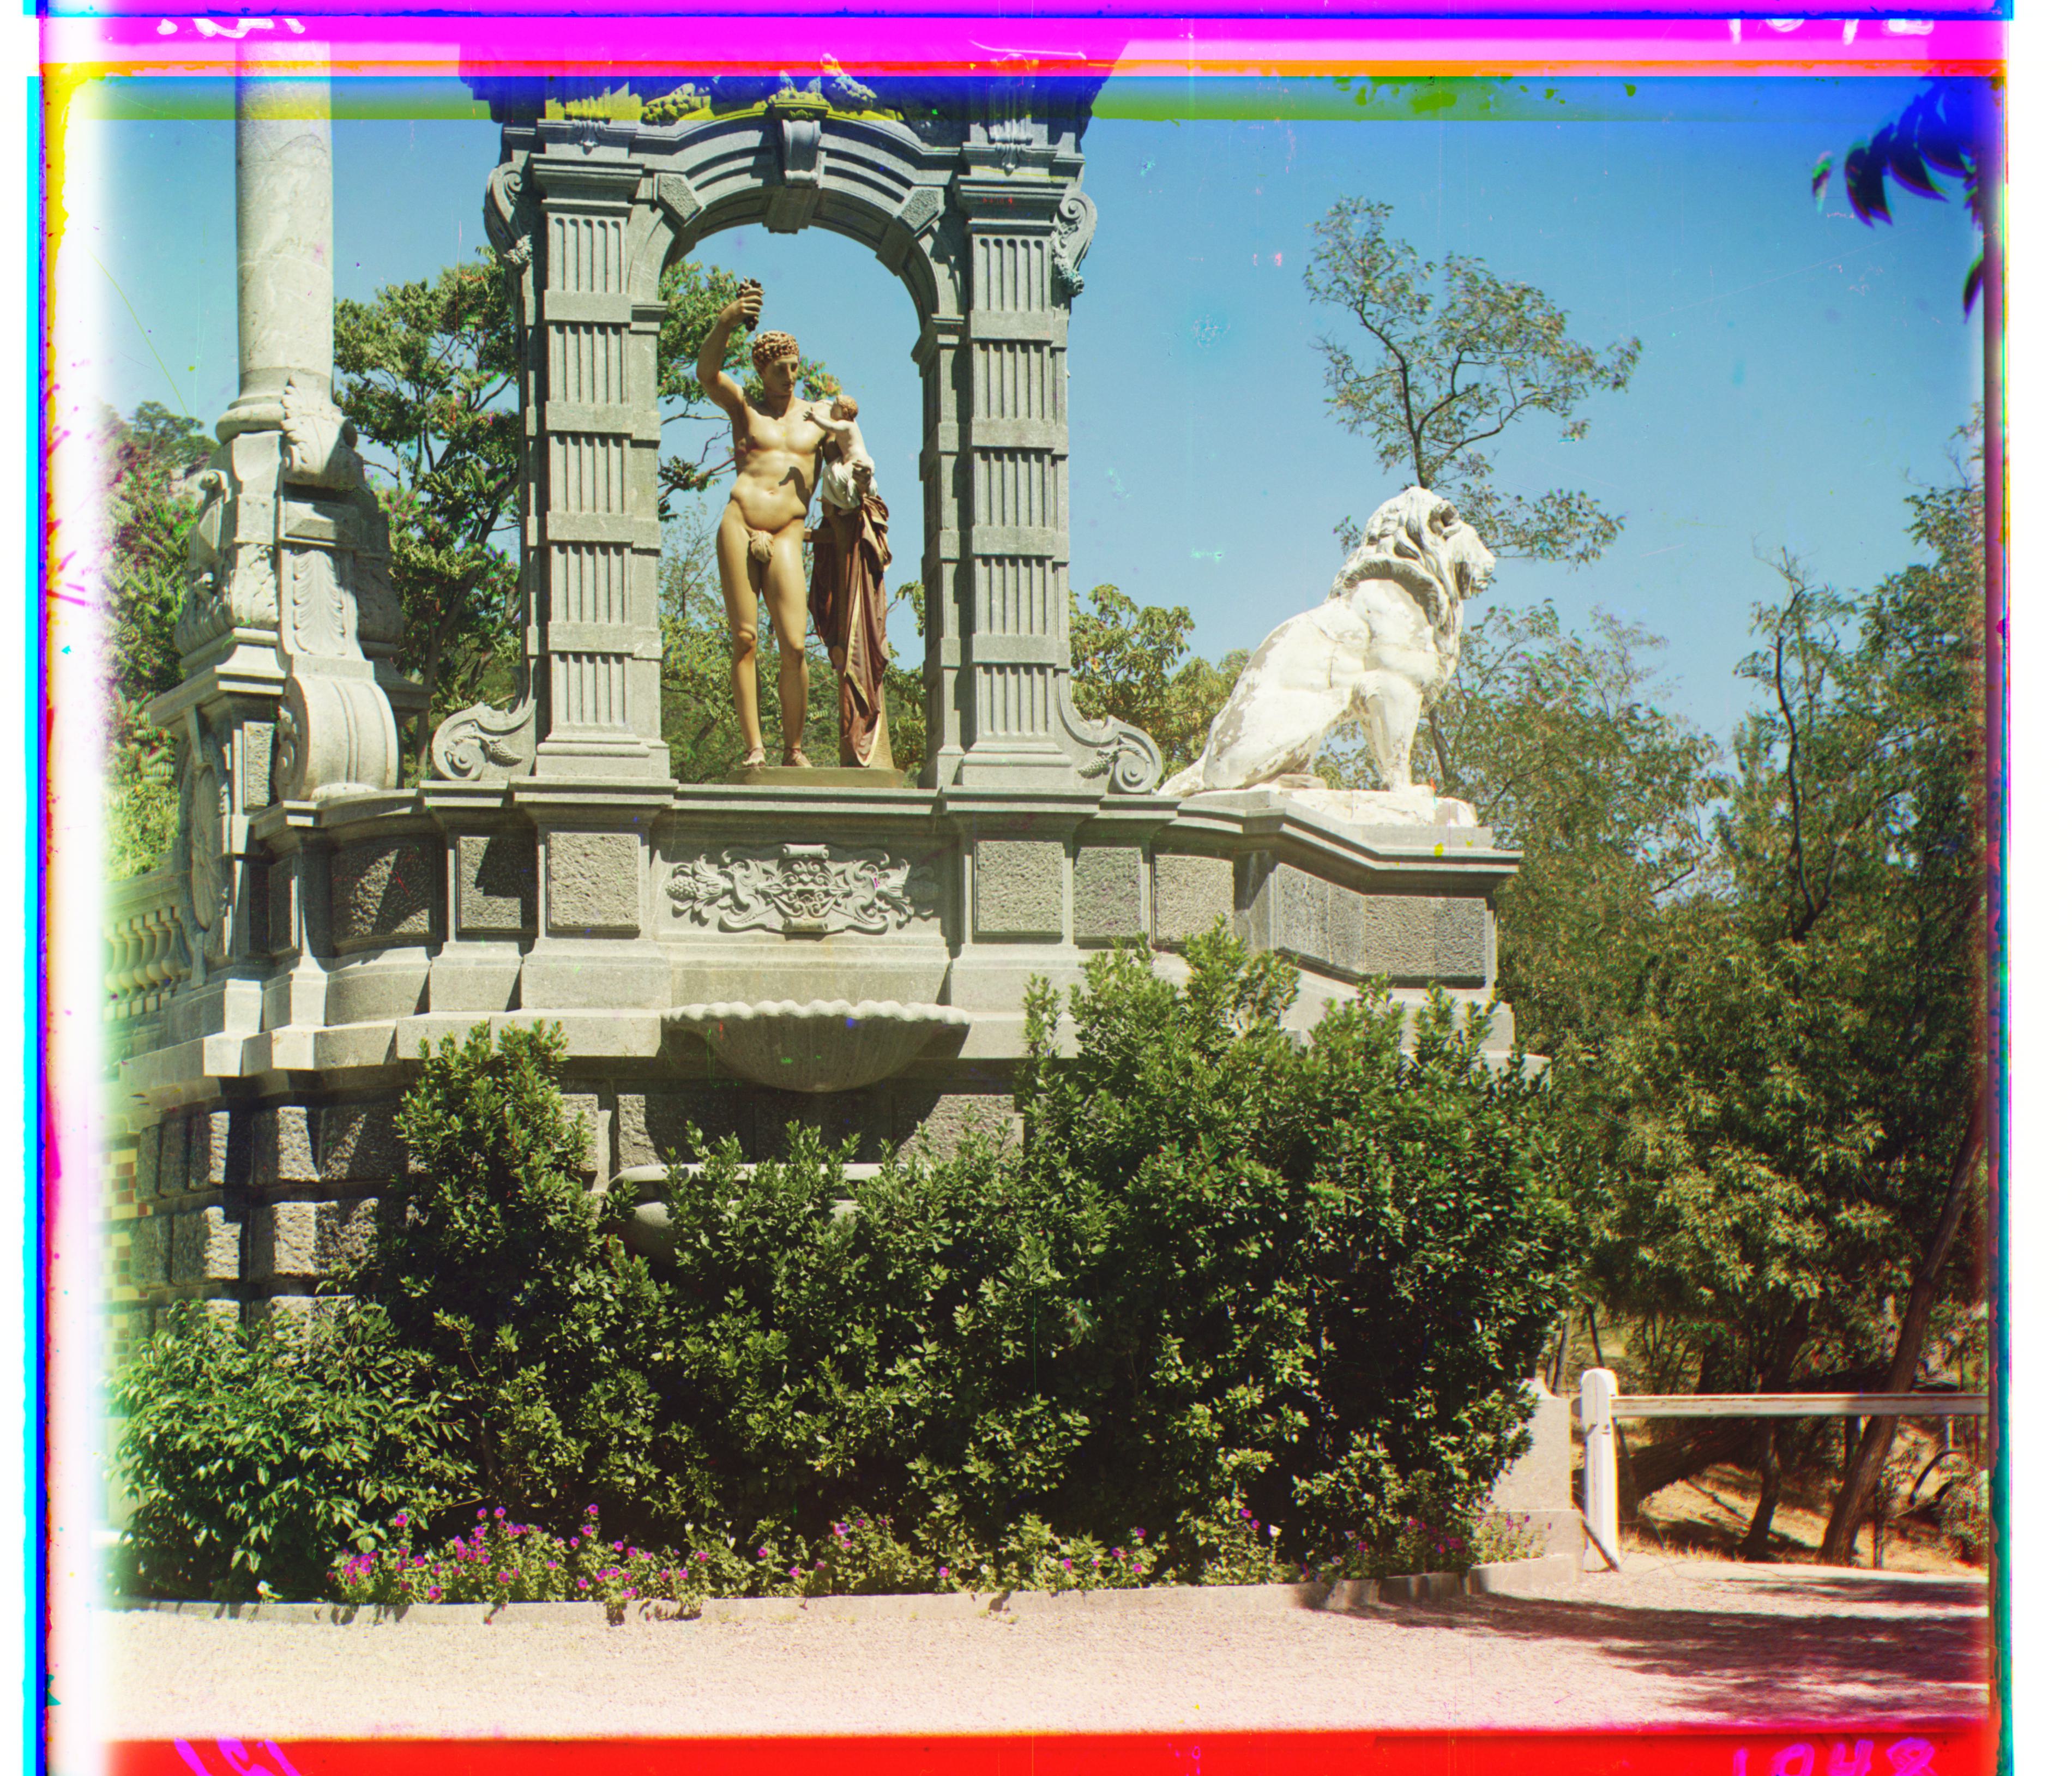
{"x":281,"y":904}
{"x":586,"y":1107}
{"x":295,"y":1316}
{"x":1402,"y":937}
{"x":147,"y":1250}
{"x":145,"y":1184}
{"x":594,"y":883}
{"x":1302,"y":914}
{"x":655,"y":1127}
{"x":1189,"y":895}
{"x":172,"y":1156}
{"x":205,"y":1246}
{"x":308,"y":1239}
{"x":1021,"y":888}
{"x":219,"y":1146}
{"x":496,"y":878}
{"x":360,"y":1142}
{"x":956,"y":1116}
{"x":1462,"y":942}
{"x":1414,"y":939}
{"x":1108,"y":893}
{"x":284,"y":1145}
{"x":381,"y":890}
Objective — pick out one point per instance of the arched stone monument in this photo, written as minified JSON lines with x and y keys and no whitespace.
{"x":742,"y":957}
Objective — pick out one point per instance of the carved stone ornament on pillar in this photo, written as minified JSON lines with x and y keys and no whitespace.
{"x":337,"y":729}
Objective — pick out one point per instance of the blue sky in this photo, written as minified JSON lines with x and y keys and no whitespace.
{"x":1800,"y":373}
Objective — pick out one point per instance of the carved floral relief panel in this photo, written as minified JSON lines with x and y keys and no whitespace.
{"x":804,"y":889}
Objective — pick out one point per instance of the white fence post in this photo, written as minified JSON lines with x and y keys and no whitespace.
{"x":1600,"y":1461}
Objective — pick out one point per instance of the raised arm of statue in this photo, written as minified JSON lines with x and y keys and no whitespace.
{"x":711,"y":355}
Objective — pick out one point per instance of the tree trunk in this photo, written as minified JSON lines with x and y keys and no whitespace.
{"x":1444,"y":771}
{"x":1755,"y":1545}
{"x":1838,"y":1546}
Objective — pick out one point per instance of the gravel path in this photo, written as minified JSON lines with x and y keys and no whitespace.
{"x":1669,"y":1641}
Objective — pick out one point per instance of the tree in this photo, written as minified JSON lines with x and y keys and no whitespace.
{"x":1131,"y":661}
{"x":1463,"y":358}
{"x":1943,"y":129}
{"x":1791,"y":1118}
{"x":429,"y":375}
{"x":148,"y":515}
{"x":1562,"y":743}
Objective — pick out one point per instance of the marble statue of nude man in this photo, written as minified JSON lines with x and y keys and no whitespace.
{"x":776,"y":452}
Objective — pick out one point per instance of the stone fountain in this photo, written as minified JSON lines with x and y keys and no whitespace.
{"x":737,"y":956}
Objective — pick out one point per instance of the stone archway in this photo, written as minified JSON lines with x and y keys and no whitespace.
{"x":971,"y":197}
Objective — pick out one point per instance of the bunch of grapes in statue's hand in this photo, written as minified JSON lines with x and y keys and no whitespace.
{"x":749,"y":296}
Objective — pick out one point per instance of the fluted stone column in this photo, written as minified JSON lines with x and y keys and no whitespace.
{"x":288,"y":634}
{"x":285,"y":283}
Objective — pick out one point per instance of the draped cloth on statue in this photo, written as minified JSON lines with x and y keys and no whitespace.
{"x":847,"y":603}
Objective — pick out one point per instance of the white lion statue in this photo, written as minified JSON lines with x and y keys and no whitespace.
{"x":1389,"y":633}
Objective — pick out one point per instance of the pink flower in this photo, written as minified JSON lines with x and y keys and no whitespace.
{"x":704,"y":1556}
{"x":942,"y":1572}
{"x":1068,"y":1564}
{"x":589,"y":1510}
{"x":482,"y":1515}
{"x":433,"y":1595}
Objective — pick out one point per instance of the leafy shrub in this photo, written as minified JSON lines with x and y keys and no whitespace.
{"x":1234,"y":1279}
{"x":492,"y":1268}
{"x":503,"y":1560}
{"x":1231,"y":1271}
{"x":254,"y":1453}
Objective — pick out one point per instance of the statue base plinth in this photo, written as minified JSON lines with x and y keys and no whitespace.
{"x":1418,"y":805}
{"x":818,"y":776}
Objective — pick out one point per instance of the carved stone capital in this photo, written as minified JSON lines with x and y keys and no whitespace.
{"x":317,"y":440}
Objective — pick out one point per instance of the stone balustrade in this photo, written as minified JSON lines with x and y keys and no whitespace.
{"x":146,"y":947}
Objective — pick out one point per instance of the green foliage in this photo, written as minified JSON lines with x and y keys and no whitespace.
{"x":429,"y":375}
{"x":1231,"y":1269}
{"x":1131,"y":661}
{"x":147,"y":519}
{"x":1784,"y":1113}
{"x":492,"y":1268}
{"x":253,"y":1454}
{"x":1562,"y":742}
{"x":1463,"y":358}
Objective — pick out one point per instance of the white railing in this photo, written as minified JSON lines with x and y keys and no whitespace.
{"x":1600,"y":1406}
{"x":146,"y":947}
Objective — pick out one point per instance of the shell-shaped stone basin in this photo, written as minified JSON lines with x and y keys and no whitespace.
{"x":830,"y":1045}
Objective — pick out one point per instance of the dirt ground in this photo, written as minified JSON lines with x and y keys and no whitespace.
{"x":1665,"y":1642}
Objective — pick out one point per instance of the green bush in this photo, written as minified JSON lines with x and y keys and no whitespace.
{"x":492,"y":1268}
{"x":1243,"y":1304}
{"x":254,"y":1454}
{"x":1232,"y":1270}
